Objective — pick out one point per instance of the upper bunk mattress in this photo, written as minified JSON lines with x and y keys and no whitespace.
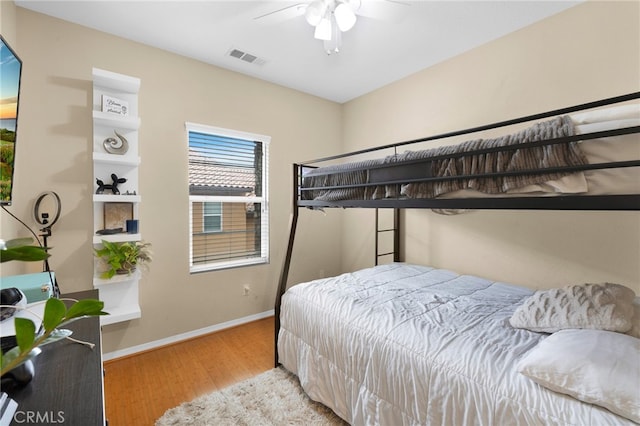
{"x":404,"y":344}
{"x":592,"y":182}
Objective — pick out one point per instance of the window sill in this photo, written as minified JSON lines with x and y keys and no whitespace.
{"x":196,"y":269}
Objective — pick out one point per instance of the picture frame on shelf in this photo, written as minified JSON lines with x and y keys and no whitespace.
{"x":116,"y":215}
{"x":114,"y":105}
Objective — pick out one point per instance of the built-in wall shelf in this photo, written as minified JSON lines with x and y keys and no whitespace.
{"x":112,"y":198}
{"x":116,"y":279}
{"x":116,"y":121}
{"x":117,"y":238}
{"x":111,"y":81}
{"x":106,"y":119}
{"x":120,"y":314}
{"x":110,"y":159}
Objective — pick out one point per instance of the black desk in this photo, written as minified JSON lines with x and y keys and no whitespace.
{"x":67,"y":387}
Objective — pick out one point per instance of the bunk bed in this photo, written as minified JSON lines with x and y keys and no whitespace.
{"x":410,"y":344}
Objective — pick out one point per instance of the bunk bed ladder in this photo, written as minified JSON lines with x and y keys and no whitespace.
{"x":395,"y":229}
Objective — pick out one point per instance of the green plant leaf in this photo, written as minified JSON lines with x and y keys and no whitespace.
{"x":86,"y":307}
{"x":23,"y":253}
{"x":108,"y":274}
{"x":25,"y":333}
{"x":54,"y":312}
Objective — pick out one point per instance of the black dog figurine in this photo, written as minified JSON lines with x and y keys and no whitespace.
{"x":113,"y":187}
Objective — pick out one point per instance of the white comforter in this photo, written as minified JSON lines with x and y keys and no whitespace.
{"x":404,"y":344}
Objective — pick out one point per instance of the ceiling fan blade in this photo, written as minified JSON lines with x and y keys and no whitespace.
{"x":384,"y":10}
{"x":281,"y":15}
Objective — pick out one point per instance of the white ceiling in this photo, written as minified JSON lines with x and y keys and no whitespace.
{"x":404,"y":37}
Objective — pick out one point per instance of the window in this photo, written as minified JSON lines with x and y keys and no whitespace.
{"x":212,"y":217}
{"x":228,"y":204}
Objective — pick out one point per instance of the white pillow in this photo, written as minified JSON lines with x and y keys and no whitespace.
{"x":635,"y":327}
{"x":594,"y":366}
{"x":596,"y":306}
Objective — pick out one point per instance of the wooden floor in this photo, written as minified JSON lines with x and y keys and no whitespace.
{"x":140,"y":388}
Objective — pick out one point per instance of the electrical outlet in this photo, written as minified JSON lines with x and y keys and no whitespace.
{"x":245,"y":290}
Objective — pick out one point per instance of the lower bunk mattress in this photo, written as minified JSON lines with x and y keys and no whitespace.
{"x":404,"y":344}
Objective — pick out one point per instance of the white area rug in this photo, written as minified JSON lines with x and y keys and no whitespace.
{"x":271,"y":398}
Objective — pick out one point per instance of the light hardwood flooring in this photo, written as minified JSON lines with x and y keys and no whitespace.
{"x":141,"y":387}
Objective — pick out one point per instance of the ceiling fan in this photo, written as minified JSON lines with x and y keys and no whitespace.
{"x":333,"y":17}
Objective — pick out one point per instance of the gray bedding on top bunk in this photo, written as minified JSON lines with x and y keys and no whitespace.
{"x":557,"y":155}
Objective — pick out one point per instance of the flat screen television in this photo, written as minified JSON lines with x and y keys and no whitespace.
{"x":10,"y":71}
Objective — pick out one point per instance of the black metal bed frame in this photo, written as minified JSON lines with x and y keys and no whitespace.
{"x":410,"y":172}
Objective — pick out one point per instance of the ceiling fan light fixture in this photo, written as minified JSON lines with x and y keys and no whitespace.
{"x":333,"y":45}
{"x":323,"y":30}
{"x":345,"y":17}
{"x":353,"y":4}
{"x":331,"y":18}
{"x":315,"y":11}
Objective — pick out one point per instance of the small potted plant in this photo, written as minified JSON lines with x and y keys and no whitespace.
{"x":123,"y":258}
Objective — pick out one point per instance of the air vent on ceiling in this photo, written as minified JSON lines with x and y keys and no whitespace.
{"x":247,"y":57}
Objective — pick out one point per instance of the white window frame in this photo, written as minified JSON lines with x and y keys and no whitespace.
{"x":263,"y":200}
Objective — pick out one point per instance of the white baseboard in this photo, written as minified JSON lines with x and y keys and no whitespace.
{"x":184,"y":336}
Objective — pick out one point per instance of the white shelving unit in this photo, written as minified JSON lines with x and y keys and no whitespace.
{"x":120,"y":294}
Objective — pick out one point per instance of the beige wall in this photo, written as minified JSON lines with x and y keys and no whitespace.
{"x":54,"y":153}
{"x":8,"y":21}
{"x":586,"y":53}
